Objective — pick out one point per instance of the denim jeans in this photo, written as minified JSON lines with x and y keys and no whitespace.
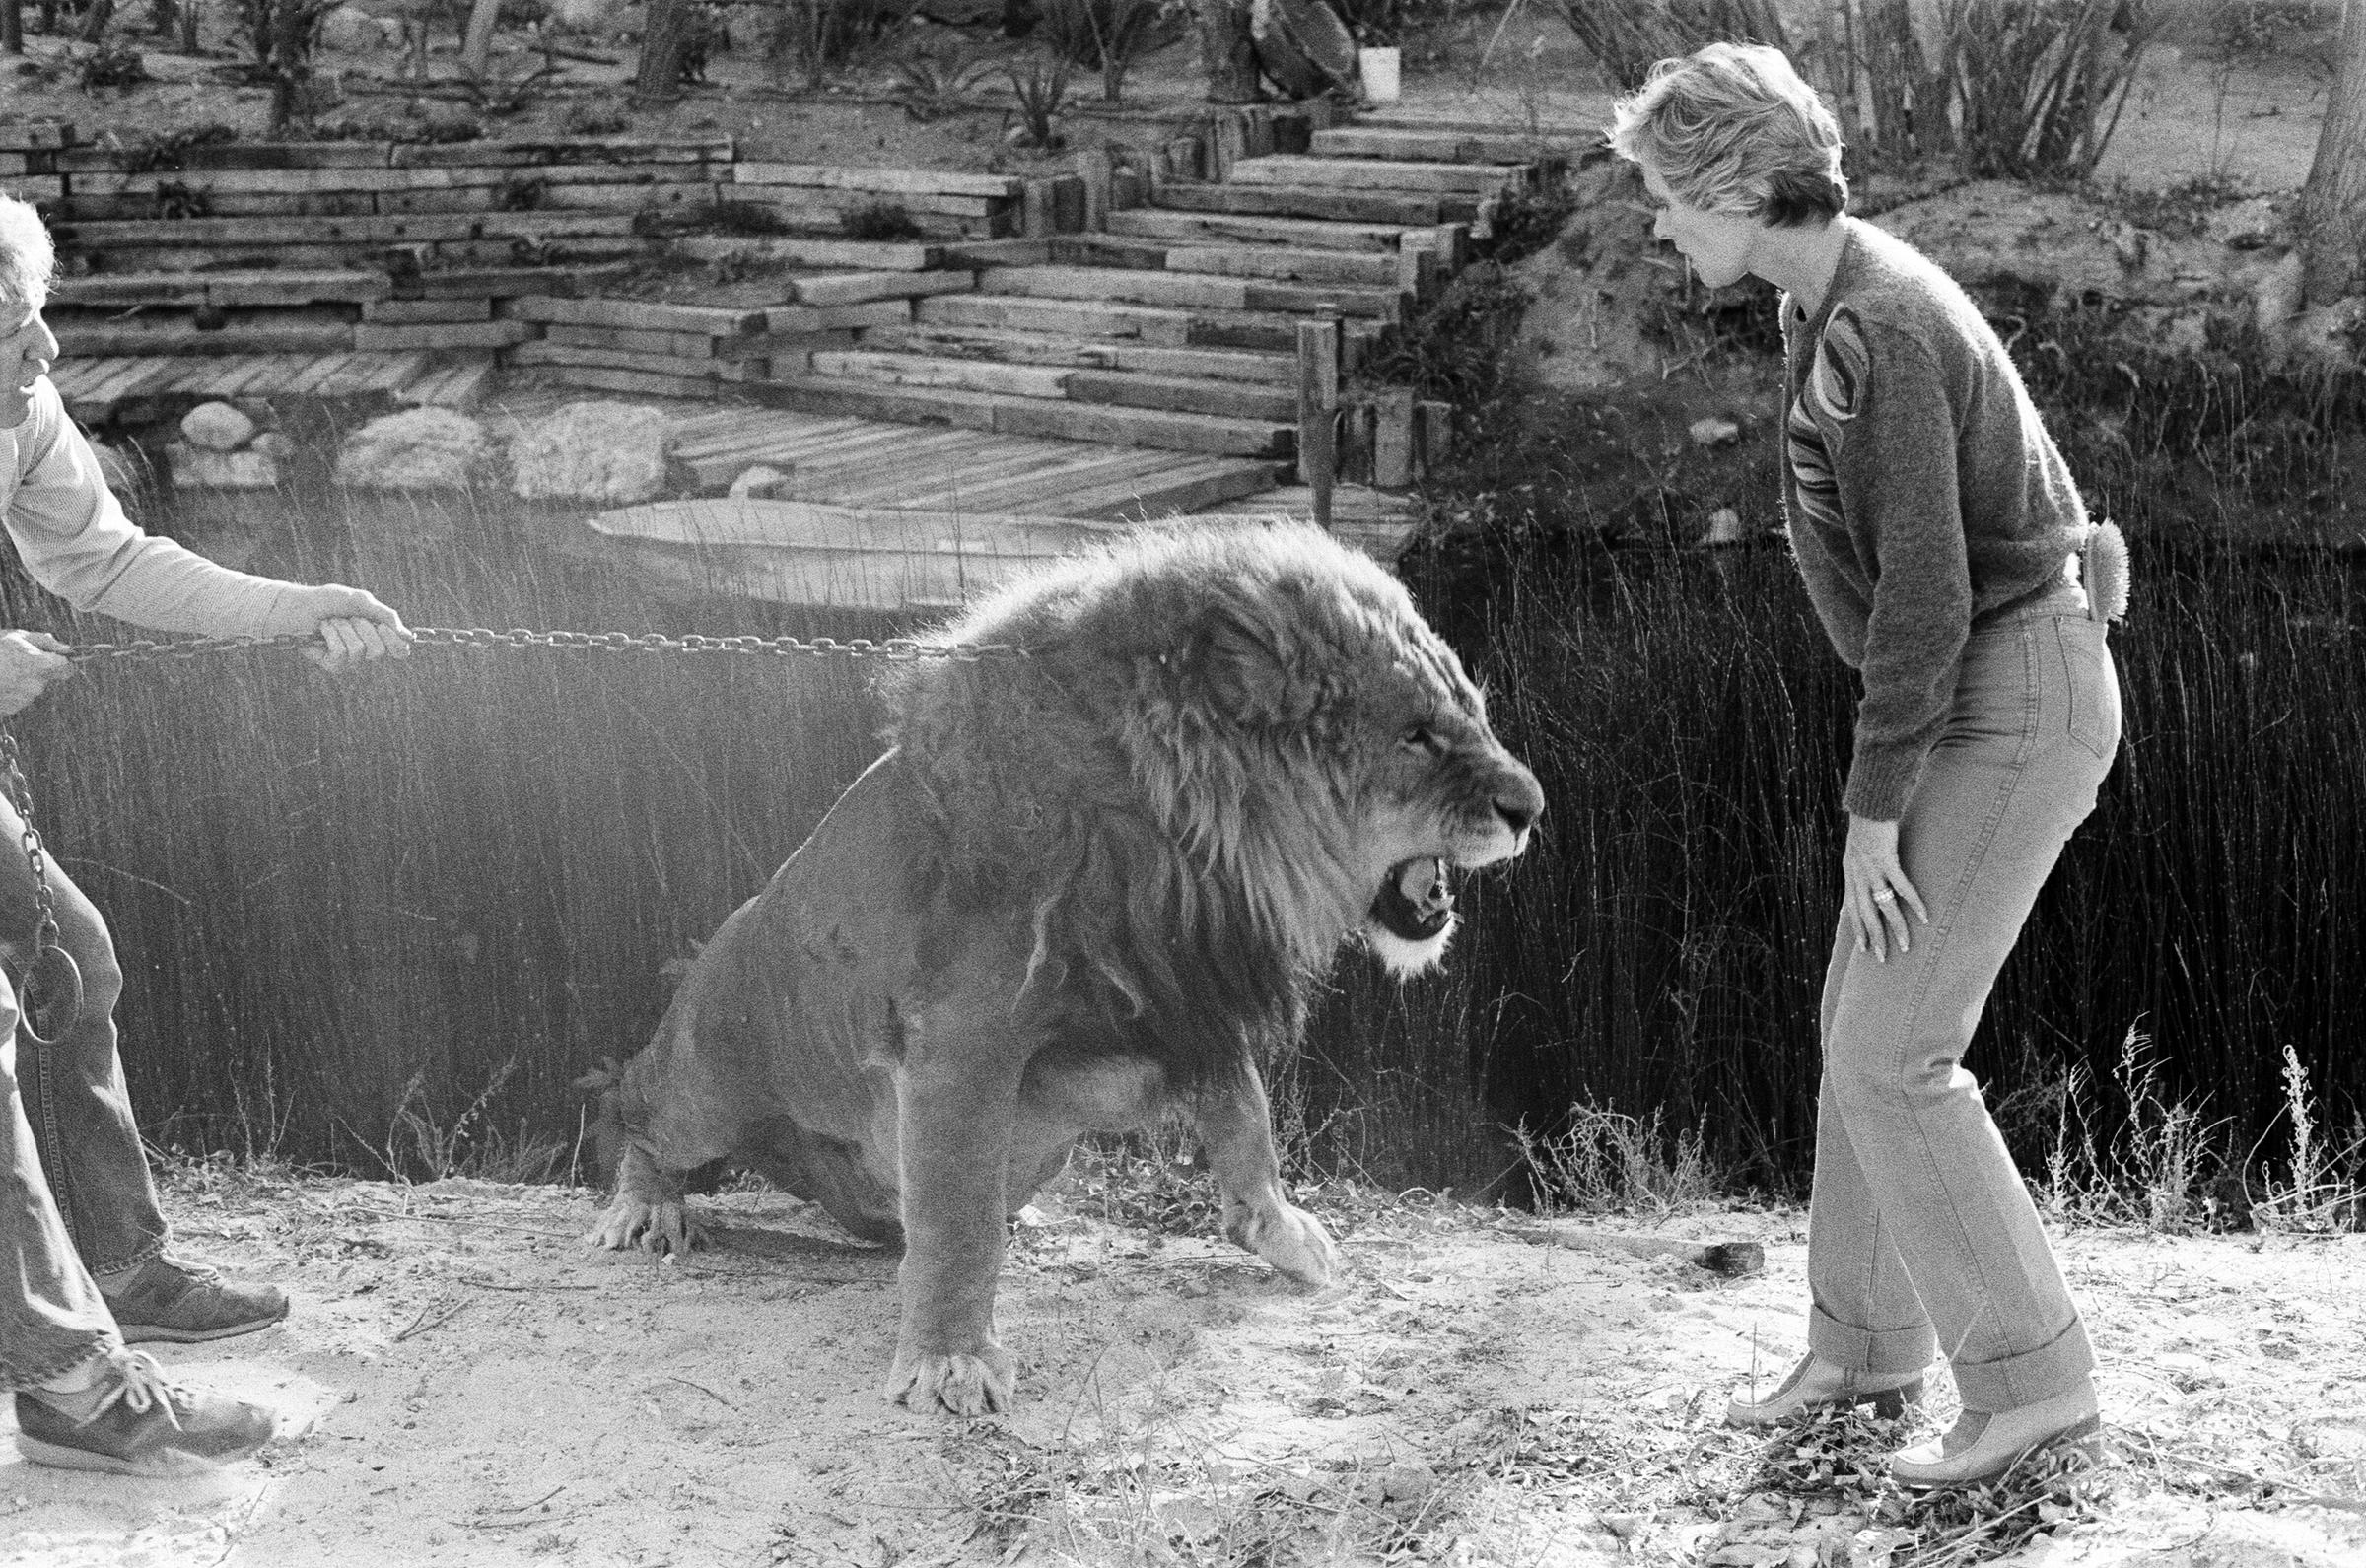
{"x":1922,"y":1235}
{"x":75,"y":1193}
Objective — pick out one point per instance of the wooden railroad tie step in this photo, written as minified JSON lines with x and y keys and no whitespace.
{"x":1404,"y":209}
{"x":1160,"y":325}
{"x":1412,"y":145}
{"x":222,"y":289}
{"x":1029,"y":416}
{"x":1185,"y":291}
{"x":1219,"y":228}
{"x":1081,"y":385}
{"x":1285,"y":170}
{"x":862,"y":255}
{"x":1039,"y":348}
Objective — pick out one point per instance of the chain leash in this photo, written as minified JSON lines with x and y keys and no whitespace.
{"x":893,"y":650}
{"x":51,"y":992}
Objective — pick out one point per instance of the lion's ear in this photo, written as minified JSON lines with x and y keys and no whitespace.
{"x":1237,"y":674}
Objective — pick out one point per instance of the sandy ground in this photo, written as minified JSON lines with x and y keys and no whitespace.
{"x":472,"y":1389}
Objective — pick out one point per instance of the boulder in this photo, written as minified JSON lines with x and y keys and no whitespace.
{"x":611,"y":454}
{"x":350,"y":30}
{"x":201,"y":468}
{"x":216,"y":428}
{"x":418,"y":448}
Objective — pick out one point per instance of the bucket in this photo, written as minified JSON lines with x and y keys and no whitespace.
{"x":1379,"y":68}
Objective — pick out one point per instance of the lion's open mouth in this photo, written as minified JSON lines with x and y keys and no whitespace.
{"x":1414,"y":901}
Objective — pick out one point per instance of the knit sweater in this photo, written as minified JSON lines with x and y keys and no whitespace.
{"x":76,"y":542}
{"x":1923,"y":495}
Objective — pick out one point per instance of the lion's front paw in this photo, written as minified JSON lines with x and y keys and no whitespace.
{"x":662,"y":1225}
{"x":958,"y":1385}
{"x":1291,"y":1240}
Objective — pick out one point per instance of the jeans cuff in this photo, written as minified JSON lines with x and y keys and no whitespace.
{"x":149,"y":1250}
{"x":18,"y":1379}
{"x":1875,"y":1350}
{"x":2033,"y":1376}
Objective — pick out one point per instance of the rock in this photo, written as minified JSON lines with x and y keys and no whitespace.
{"x":419,"y":448}
{"x":1716,"y":429}
{"x":201,"y":468}
{"x":613,"y":454}
{"x":759,"y":479}
{"x":1724,"y":527}
{"x":1407,"y":1481}
{"x":350,"y":30}
{"x":216,"y":428}
{"x":281,"y":447}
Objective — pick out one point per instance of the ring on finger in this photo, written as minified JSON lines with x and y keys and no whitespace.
{"x":1885,"y":895}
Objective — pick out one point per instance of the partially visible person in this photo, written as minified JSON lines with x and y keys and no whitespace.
{"x":1940,"y":537}
{"x":84,"y":1267}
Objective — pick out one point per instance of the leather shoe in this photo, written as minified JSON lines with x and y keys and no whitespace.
{"x":1814,"y":1385}
{"x":1982,"y":1444}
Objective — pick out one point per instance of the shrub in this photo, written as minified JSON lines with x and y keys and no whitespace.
{"x":879,"y":220}
{"x":819,"y":37}
{"x":1042,"y":93}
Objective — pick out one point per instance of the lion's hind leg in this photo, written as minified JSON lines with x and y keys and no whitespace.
{"x":648,"y":1209}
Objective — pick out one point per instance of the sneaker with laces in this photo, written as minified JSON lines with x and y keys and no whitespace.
{"x":180,"y":1303}
{"x":135,"y":1421}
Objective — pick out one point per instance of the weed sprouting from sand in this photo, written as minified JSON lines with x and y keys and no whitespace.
{"x":1603,"y":1160}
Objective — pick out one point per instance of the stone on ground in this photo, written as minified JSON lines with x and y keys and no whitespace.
{"x":418,"y":448}
{"x":612,"y":453}
{"x":216,"y":428}
{"x":200,"y":468}
{"x":758,"y":479}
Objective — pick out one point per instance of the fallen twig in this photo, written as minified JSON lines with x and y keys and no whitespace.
{"x":425,"y":1323}
{"x":703,"y":1389}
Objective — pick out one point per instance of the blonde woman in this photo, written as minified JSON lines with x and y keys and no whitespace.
{"x":1940,"y":537}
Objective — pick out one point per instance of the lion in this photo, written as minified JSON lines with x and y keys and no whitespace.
{"x":1081,"y":889}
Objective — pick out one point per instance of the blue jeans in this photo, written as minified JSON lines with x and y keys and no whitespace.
{"x":75,"y":1193}
{"x":1921,"y":1237}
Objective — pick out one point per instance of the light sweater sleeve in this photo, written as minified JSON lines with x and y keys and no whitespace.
{"x":76,"y":542}
{"x":1894,"y":462}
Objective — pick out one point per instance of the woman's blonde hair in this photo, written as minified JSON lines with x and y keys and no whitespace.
{"x":1733,"y":129}
{"x":27,"y":258}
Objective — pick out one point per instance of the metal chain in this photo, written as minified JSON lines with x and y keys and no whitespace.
{"x":51,"y":963}
{"x":891,"y":650}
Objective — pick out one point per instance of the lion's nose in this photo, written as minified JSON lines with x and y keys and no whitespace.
{"x":1520,"y":807}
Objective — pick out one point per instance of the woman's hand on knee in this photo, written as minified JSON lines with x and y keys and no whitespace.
{"x":1875,"y":891}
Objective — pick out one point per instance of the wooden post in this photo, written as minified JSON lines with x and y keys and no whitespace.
{"x":1417,"y":265}
{"x":1392,"y":441}
{"x":1071,"y":202}
{"x":1227,"y":143}
{"x":1433,"y":430}
{"x":1318,"y":410}
{"x":657,"y":79}
{"x":1096,"y":169}
{"x":1035,"y":209}
{"x":1355,"y":462}
{"x":1227,"y":51}
{"x":12,"y":26}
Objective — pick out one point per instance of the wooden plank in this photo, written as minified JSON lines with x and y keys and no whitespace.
{"x":247,"y":233}
{"x":43,"y":190}
{"x":1136,"y":426}
{"x":563,"y":150}
{"x":1194,"y":228}
{"x":319,"y":370}
{"x":910,"y":405}
{"x":1283,"y":265}
{"x":884,"y":181}
{"x":256,"y":182}
{"x":229,"y":156}
{"x":1318,"y":403}
{"x":37,"y":135}
{"x":1403,"y":209}
{"x":462,"y":387}
{"x":870,"y":255}
{"x":914,"y":204}
{"x":1175,"y":291}
{"x":1392,"y":439}
{"x":672,"y":344}
{"x":623,"y":359}
{"x":413,"y":312}
{"x":794,"y":318}
{"x":1182,"y":394}
{"x":505,"y":282}
{"x":644,"y":315}
{"x":1065,"y":317}
{"x":764,"y":522}
{"x":371,"y":338}
{"x":1033,"y":488}
{"x":857,"y":288}
{"x":1379,"y":174}
{"x":1157,"y":493}
{"x":303,"y":335}
{"x":627,"y":197}
{"x":638,"y":383}
{"x":913,"y":370}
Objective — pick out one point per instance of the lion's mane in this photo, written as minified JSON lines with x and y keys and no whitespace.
{"x":1166,"y":784}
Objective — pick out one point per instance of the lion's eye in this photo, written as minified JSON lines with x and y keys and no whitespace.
{"x":1420,"y":738}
